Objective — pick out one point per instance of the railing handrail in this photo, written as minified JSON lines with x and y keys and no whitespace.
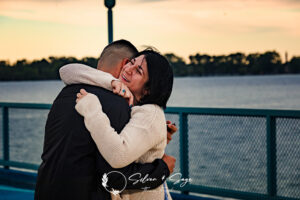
{"x":187,"y":110}
{"x":26,"y":105}
{"x":235,"y":111}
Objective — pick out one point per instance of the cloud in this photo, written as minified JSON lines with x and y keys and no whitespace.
{"x":179,"y":26}
{"x":85,"y":13}
{"x":31,"y":11}
{"x":267,"y":29}
{"x":151,"y":0}
{"x":24,"y":1}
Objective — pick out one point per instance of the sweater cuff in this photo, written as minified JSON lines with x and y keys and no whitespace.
{"x":88,"y":105}
{"x":166,"y":168}
{"x":107,"y":80}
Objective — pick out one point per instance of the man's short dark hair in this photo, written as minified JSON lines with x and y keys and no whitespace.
{"x":115,"y":51}
{"x":119,"y":44}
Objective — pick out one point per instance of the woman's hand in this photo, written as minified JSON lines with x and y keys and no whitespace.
{"x":87,"y":104}
{"x":81,"y":94}
{"x":171,"y":129}
{"x":122,"y":90}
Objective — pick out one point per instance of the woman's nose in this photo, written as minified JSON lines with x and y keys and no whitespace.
{"x":129,"y":69}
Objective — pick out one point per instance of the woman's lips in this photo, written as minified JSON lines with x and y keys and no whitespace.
{"x":124,"y":78}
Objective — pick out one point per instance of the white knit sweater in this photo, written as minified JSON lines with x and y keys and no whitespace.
{"x":142,"y":140}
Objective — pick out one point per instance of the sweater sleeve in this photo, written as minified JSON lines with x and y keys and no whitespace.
{"x":77,"y":73}
{"x":145,"y":129}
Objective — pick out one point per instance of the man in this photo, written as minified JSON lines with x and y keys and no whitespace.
{"x":71,"y":165}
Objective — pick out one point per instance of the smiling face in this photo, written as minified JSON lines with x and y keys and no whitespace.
{"x":135,"y":75}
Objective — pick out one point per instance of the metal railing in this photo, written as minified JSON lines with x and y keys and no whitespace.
{"x":270,"y":117}
{"x":6,"y":162}
{"x":185,"y":117}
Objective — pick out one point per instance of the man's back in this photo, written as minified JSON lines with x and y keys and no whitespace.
{"x":70,"y":156}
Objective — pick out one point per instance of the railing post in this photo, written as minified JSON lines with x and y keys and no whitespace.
{"x":184,"y":151}
{"x":110,"y":4}
{"x":110,"y":26}
{"x":5,"y":135}
{"x":271,"y":156}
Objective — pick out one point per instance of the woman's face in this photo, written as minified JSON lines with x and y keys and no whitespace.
{"x":134,"y":75}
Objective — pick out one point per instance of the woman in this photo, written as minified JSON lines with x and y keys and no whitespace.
{"x":146,"y":81}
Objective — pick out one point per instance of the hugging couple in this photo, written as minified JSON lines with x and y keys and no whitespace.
{"x":106,"y":131}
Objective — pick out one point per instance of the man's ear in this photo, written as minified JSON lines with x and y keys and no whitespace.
{"x":124,"y":61}
{"x":118,"y":68}
{"x":99,"y":64}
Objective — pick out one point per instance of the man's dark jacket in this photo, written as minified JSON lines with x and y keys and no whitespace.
{"x":72,"y":167}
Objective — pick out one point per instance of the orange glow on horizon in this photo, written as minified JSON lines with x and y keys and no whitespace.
{"x":35,"y":29}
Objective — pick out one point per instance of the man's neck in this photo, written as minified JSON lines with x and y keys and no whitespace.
{"x":113,"y":72}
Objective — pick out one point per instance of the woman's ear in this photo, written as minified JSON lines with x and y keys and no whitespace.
{"x":146,"y":91}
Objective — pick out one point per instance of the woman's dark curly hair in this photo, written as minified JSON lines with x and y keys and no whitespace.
{"x":160,"y":83}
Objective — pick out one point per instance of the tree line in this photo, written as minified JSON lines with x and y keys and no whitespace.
{"x":198,"y":65}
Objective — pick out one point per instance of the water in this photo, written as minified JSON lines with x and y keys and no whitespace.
{"x":266,"y":92}
{"x":225,"y":152}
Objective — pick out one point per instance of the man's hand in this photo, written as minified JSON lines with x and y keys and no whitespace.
{"x":171,"y":129}
{"x":170,"y":161}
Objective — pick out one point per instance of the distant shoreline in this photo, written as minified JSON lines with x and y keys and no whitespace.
{"x":199,"y":65}
{"x":211,"y":76}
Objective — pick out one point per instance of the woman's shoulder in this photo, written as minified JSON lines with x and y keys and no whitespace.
{"x":148,"y":109}
{"x":149,"y":113}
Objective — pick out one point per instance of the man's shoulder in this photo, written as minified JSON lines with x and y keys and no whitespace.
{"x":74,"y":88}
{"x":106,"y":97}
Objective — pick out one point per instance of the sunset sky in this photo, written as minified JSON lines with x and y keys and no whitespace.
{"x":33,"y":29}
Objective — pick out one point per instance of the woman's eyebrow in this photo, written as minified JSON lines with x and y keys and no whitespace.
{"x":140,"y":67}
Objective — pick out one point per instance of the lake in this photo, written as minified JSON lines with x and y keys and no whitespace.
{"x":265,"y":92}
